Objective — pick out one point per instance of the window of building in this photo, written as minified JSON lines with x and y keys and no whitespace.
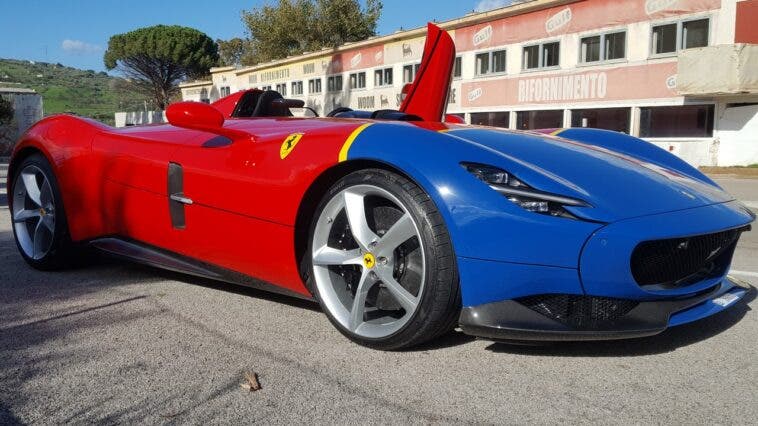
{"x":530,"y":120}
{"x":616,"y":119}
{"x":545,"y":55}
{"x":482,"y":63}
{"x":264,"y":88}
{"x":383,"y":77}
{"x":490,"y":62}
{"x":590,"y":50}
{"x":314,"y":86}
{"x":498,"y":61}
{"x":409,"y":72}
{"x":531,"y":57}
{"x":687,"y":121}
{"x":603,"y":47}
{"x":495,"y":119}
{"x":671,"y":37}
{"x":358,"y":80}
{"x":695,"y":33}
{"x":664,"y":38}
{"x":225,"y":91}
{"x":614,"y":46}
{"x":551,"y":54}
{"x":458,"y":67}
{"x":282,"y":89}
{"x":297,"y":88}
{"x":334,"y":83}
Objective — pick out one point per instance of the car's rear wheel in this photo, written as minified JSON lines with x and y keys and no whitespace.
{"x":39,"y":221}
{"x":381,"y":263}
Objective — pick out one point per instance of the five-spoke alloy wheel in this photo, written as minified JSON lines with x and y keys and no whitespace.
{"x":39,"y":223}
{"x":381,"y":274}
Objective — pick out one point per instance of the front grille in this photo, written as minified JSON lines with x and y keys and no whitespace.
{"x":680,"y":261}
{"x":577,"y":311}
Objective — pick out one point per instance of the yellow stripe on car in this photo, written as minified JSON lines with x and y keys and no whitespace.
{"x":349,"y":141}
{"x":557,"y":132}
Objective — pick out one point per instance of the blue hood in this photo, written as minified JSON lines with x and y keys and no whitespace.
{"x":617,"y":185}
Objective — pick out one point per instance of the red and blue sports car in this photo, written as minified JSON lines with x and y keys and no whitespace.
{"x":401,"y":224}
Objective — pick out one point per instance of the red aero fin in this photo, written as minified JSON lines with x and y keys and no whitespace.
{"x":427,"y":96}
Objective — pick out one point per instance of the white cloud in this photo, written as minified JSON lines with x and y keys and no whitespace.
{"x":78,"y":47}
{"x":485,"y":5}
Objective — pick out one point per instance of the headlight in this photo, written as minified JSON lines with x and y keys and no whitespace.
{"x":521,"y":194}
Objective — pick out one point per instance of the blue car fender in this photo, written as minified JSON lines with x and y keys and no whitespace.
{"x":498,"y":244}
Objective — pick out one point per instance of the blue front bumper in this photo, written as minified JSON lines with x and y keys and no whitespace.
{"x":600,"y":298}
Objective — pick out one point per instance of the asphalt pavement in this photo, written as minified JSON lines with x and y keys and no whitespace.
{"x":114,"y":342}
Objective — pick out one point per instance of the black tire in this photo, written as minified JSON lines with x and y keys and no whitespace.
{"x":440,"y":302}
{"x":62,"y":252}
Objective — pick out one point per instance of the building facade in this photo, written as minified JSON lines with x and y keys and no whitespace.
{"x":682,"y":74}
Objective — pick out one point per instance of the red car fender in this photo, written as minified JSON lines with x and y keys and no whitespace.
{"x":66,"y":142}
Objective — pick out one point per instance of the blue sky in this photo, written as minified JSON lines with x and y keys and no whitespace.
{"x":76,"y":32}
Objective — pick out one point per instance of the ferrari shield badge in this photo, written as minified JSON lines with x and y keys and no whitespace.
{"x":289,"y":144}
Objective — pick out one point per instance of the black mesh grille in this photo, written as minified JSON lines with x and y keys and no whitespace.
{"x":580,"y":312}
{"x":680,"y":261}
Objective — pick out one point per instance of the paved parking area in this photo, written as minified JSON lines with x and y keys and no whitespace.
{"x":116,"y":342}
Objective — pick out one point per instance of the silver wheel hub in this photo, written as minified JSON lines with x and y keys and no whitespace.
{"x":368,"y":261}
{"x":33,"y":212}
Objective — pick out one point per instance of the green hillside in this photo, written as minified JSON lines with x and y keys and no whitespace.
{"x":66,"y":89}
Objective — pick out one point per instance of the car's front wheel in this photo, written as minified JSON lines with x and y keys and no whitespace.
{"x":381,"y":262}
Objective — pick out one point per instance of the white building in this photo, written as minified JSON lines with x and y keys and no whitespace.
{"x":682,"y":74}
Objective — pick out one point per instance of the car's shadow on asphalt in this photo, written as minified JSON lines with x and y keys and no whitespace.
{"x":219,"y":285}
{"x":668,"y":341}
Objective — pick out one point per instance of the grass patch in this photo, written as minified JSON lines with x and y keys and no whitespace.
{"x":70,"y":90}
{"x":741,"y":171}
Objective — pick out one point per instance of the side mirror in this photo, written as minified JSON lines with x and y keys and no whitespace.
{"x":203,"y":117}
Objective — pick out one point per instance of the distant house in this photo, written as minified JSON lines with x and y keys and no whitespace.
{"x":27,"y":107}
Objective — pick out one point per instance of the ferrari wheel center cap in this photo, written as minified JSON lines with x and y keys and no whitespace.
{"x":42,"y":212}
{"x":369,"y":261}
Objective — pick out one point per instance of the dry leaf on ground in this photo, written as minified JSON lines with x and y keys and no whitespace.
{"x":251,"y":381}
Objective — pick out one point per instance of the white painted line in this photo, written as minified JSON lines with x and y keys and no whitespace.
{"x":744,"y":273}
{"x":751,"y":204}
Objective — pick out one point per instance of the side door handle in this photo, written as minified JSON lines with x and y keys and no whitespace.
{"x":180,"y":198}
